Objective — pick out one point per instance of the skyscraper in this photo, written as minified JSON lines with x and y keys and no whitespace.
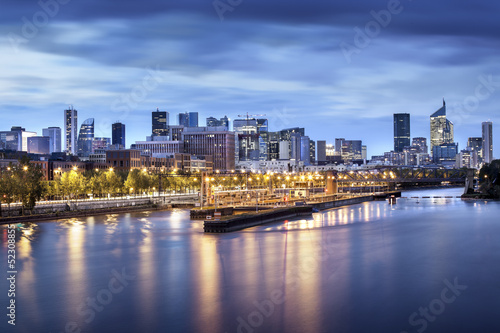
{"x":401,"y":131}
{"x":54,"y":133}
{"x":487,"y":141}
{"x":321,"y":151}
{"x":188,"y":119}
{"x":70,"y":130}
{"x":476,"y":145}
{"x":85,"y":138}
{"x":441,"y":128}
{"x":159,"y":123}
{"x":118,"y":134}
{"x":214,"y":122}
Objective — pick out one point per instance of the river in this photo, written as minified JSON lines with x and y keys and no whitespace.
{"x":421,"y":265}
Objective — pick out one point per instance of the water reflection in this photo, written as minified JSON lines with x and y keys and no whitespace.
{"x":339,"y":270}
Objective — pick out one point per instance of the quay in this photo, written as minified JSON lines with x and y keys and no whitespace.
{"x":239,"y":222}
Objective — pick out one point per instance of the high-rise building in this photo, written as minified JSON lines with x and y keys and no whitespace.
{"x":159,"y":123}
{"x":487,"y":141}
{"x":321,"y":151}
{"x":273,"y":145}
{"x":188,"y":119}
{"x":206,"y":141}
{"x":421,"y":145}
{"x":70,"y":130}
{"x":441,"y":128}
{"x":401,"y":131}
{"x":214,"y":122}
{"x":39,"y":145}
{"x":118,"y":134}
{"x":252,"y":139}
{"x":284,"y":150}
{"x":312,"y":151}
{"x":476,"y":145}
{"x":445,"y":154}
{"x":364,"y":152}
{"x":305,"y":150}
{"x":54,"y":133}
{"x":85,"y":138}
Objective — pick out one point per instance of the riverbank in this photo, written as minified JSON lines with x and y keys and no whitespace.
{"x":81,"y":213}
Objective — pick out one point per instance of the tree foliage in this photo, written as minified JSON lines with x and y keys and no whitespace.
{"x":489,"y":178}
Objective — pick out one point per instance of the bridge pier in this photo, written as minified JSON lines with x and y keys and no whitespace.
{"x":332,"y":186}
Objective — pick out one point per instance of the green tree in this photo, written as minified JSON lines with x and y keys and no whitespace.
{"x":29,"y":183}
{"x":489,"y":178}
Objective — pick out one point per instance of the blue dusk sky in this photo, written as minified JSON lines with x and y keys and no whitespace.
{"x":337,"y":68}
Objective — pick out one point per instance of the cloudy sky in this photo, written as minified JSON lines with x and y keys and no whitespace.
{"x":337,"y":68}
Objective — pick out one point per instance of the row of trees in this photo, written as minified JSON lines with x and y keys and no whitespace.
{"x":21,"y":183}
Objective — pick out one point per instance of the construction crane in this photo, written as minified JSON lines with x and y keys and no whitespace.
{"x":247,"y":116}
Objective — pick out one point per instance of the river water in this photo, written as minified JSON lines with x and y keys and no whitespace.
{"x":421,"y":265}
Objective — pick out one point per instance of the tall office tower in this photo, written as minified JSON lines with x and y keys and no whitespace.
{"x":321,"y":151}
{"x":273,"y":146}
{"x":488,"y":141}
{"x":54,"y":133}
{"x":159,"y":123}
{"x":118,"y":134}
{"x":305,"y":150}
{"x":339,"y":143}
{"x":70,"y":130}
{"x":421,"y":145}
{"x":284,"y":150}
{"x":251,"y":138}
{"x":364,"y":152}
{"x":214,"y":122}
{"x":441,"y":128}
{"x":295,"y":146}
{"x":312,"y":151}
{"x":476,"y":145}
{"x":401,"y":131}
{"x":85,"y":138}
{"x":188,"y":119}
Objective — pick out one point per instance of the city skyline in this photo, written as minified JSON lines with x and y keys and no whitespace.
{"x":254,"y":61}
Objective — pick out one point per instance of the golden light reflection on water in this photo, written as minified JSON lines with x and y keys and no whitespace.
{"x":147,"y":268}
{"x":27,"y":277}
{"x":207,"y":297}
{"x":76,"y":270}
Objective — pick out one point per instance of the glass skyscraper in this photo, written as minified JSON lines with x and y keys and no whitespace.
{"x":441,"y":128}
{"x":118,"y":134}
{"x":159,"y":123}
{"x":54,"y":133}
{"x":85,"y":138}
{"x":487,"y":141}
{"x":401,"y":131}
{"x":70,"y":130}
